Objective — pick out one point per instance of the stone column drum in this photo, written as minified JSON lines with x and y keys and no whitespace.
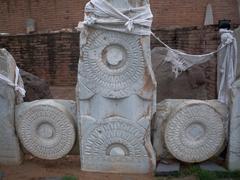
{"x":10,"y":153}
{"x":116,"y":96}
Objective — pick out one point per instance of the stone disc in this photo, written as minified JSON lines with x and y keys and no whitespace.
{"x":113,"y":64}
{"x":194,"y":132}
{"x":46,"y":130}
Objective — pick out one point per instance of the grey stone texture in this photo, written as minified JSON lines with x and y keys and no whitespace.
{"x":10,"y":153}
{"x":190,"y":130}
{"x":167,"y":169}
{"x":237,"y":36}
{"x":116,"y":96}
{"x":233,"y":156}
{"x":47,"y":128}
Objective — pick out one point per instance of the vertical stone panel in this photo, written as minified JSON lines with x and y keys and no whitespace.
{"x":116,"y":96}
{"x":10,"y":152}
{"x":233,"y":156}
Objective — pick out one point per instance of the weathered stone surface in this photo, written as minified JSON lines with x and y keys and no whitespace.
{"x":167,"y":169}
{"x":233,"y":156}
{"x":237,"y":36}
{"x":189,"y":85}
{"x":10,"y":152}
{"x":116,"y":100}
{"x":190,"y":130}
{"x":46,"y":128}
{"x":36,"y":88}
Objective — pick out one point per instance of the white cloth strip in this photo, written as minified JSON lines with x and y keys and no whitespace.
{"x":227,"y":62}
{"x":14,"y":84}
{"x":102,"y":12}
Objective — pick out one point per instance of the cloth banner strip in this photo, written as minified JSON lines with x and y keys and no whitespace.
{"x":14,"y":84}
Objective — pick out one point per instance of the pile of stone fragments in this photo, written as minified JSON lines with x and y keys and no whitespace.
{"x":109,"y":125}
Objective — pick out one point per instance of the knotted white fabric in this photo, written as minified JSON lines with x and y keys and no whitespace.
{"x":14,"y":84}
{"x":102,"y":14}
{"x":227,"y":65}
{"x":227,"y":62}
{"x":182,"y":61}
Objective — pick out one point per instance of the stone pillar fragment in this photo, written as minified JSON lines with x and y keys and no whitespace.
{"x":233,"y":156}
{"x":116,"y":95}
{"x":10,"y":153}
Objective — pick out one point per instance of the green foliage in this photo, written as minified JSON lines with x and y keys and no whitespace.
{"x":203,"y":174}
{"x":69,"y":178}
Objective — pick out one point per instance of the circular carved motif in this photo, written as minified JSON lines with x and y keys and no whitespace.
{"x":113,"y":64}
{"x":115,"y":139}
{"x":194,"y":133}
{"x":47,"y":131}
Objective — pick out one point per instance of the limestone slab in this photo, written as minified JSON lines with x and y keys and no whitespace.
{"x":189,"y":130}
{"x":167,"y":169}
{"x":233,"y":156}
{"x":10,"y":152}
{"x":116,"y":96}
{"x":237,"y":36}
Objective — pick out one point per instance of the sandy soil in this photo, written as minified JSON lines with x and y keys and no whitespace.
{"x":33,"y":169}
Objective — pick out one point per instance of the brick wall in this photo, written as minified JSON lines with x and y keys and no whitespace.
{"x":54,"y":56}
{"x":57,"y":14}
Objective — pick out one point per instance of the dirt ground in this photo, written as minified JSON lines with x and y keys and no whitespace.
{"x":33,"y":169}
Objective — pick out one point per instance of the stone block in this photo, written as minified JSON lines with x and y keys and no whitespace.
{"x":10,"y":153}
{"x":116,"y":96}
{"x":47,"y":128}
{"x":190,"y":130}
{"x":233,"y":156}
{"x":167,"y":169}
{"x":237,"y":36}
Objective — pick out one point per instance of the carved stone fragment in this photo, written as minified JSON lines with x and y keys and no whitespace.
{"x":233,"y":156}
{"x":10,"y":152}
{"x":46,"y":128}
{"x":116,"y":96}
{"x":190,"y":130}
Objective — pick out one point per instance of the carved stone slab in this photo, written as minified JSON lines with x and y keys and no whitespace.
{"x":190,"y":130}
{"x":46,"y":128}
{"x":10,"y":152}
{"x":233,"y":156}
{"x":116,"y":96}
{"x":237,"y":36}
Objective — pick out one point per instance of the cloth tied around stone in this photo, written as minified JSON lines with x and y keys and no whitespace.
{"x":18,"y":87}
{"x":227,"y":65}
{"x":227,"y":62}
{"x":104,"y":15}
